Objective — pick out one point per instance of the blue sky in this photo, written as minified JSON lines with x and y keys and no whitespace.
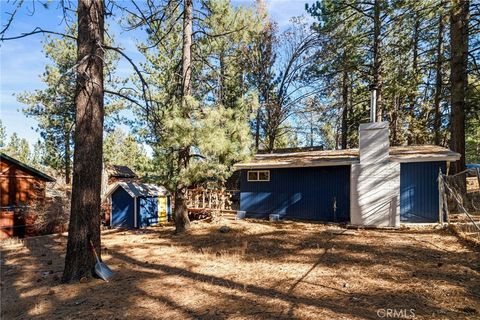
{"x":22,"y":61}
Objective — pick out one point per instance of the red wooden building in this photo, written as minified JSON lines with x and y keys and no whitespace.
{"x":22,"y":188}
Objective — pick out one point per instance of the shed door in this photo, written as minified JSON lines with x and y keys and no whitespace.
{"x":148,"y":211}
{"x":162,"y":209}
{"x":320,"y":193}
{"x":419,"y":191}
{"x":122,"y":209}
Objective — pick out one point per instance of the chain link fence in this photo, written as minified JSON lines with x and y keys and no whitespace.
{"x":460,"y":202}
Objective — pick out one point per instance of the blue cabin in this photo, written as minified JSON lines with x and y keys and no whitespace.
{"x":306,"y":193}
{"x":135,"y":205}
{"x":375,"y":185}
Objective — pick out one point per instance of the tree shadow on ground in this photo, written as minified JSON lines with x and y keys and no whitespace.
{"x":241,"y":274}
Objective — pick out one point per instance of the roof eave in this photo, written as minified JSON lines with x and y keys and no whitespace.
{"x":36,"y":172}
{"x":279,"y":165}
{"x":133,"y":193}
{"x":113,"y":188}
{"x":425,"y":158}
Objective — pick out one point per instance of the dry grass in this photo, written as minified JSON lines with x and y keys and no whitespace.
{"x":472,"y":185}
{"x":257,"y":270}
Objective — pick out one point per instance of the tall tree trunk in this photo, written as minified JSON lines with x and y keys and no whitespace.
{"x":352,"y":141}
{"x":187,"y":49}
{"x":67,"y":158}
{"x":337,"y":136}
{"x":377,"y":57}
{"x":271,"y":140}
{"x":87,"y":167}
{"x":458,"y":78}
{"x":221,"y":81}
{"x":437,"y":121}
{"x":257,"y":130}
{"x":311,"y":129}
{"x":412,"y":139}
{"x":345,"y":109}
{"x":394,"y":121}
{"x":182,"y":222}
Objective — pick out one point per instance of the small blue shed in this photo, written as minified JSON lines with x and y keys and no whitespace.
{"x":137,"y":205}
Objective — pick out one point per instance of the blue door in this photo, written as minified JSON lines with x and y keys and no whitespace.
{"x":419,"y":191}
{"x":147,"y":211}
{"x":122,"y":209}
{"x":315,"y":193}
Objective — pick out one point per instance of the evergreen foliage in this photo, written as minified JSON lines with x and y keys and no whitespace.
{"x":18,"y":148}
{"x":211,"y":123}
{"x":414,"y":49}
{"x":122,"y":149}
{"x":54,"y":106}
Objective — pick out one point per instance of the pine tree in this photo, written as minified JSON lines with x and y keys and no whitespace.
{"x":120,"y":148}
{"x":458,"y":78}
{"x":18,"y":148}
{"x":261,"y":59}
{"x":414,"y":55}
{"x":84,"y":224}
{"x":196,"y":124}
{"x":280,"y":61}
{"x":38,"y":155}
{"x":3,"y":135}
{"x":343,"y":66}
{"x":54,"y":106}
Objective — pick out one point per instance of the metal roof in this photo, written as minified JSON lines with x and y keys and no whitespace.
{"x":120,"y":171}
{"x":135,"y":189}
{"x":319,"y":158}
{"x":422,"y":153}
{"x":26,"y":167}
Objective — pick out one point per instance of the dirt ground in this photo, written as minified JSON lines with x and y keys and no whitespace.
{"x":258,"y":270}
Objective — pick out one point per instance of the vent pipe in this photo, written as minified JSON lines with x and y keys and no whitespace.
{"x":373,"y":103}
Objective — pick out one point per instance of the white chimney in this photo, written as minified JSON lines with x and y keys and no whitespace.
{"x":374,"y":142}
{"x":375,"y":180}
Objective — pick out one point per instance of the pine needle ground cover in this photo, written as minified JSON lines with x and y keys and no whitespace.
{"x":257,"y":270}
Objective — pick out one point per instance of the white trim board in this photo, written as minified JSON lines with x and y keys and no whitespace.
{"x":135,"y":222}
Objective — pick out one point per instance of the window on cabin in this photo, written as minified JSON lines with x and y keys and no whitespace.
{"x":258,"y":175}
{"x":252,"y":175}
{"x":263,"y":175}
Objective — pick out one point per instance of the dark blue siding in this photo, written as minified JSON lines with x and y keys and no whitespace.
{"x":147,"y":211}
{"x":419,"y":191}
{"x":300,"y":193}
{"x":122,"y":209}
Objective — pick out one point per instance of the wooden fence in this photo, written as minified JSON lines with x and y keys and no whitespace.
{"x":205,"y":200}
